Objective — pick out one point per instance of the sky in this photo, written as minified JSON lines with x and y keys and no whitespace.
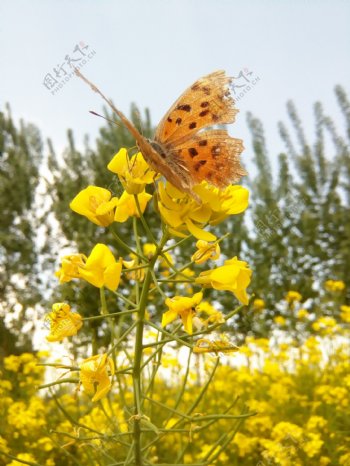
{"x":150,"y":52}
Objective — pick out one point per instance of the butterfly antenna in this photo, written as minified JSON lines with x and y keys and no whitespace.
{"x":105,"y":118}
{"x":121,"y":115}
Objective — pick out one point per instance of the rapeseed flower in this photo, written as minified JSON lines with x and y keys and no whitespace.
{"x":99,"y":269}
{"x":127,"y":207}
{"x":183,"y":307}
{"x":233,"y":276}
{"x":63,"y":322}
{"x":97,"y":204}
{"x":134,"y":173}
{"x":205,"y":251}
{"x":184,"y":215}
{"x":95,"y":375}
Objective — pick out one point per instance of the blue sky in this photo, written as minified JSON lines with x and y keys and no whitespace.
{"x":149,"y":52}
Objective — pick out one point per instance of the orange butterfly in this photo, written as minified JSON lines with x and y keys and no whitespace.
{"x":185,"y":149}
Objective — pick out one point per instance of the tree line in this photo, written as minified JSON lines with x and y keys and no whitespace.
{"x":295,"y":234}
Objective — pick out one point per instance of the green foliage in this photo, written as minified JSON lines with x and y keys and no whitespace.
{"x":20,"y":158}
{"x":295,"y":235}
{"x":302,"y":218}
{"x":71,"y":173}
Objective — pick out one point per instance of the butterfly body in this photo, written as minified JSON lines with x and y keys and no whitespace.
{"x":163,"y":161}
{"x":186,"y":149}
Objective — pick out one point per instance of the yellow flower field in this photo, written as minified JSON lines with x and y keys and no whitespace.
{"x":298,"y":396}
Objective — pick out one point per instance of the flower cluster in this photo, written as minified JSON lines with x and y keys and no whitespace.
{"x":300,"y":417}
{"x":151,"y":299}
{"x":184,"y":215}
{"x":99,"y":269}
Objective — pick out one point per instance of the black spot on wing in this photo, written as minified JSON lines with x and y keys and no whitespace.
{"x":203,"y":113}
{"x":199,"y":164}
{"x":184,"y":107}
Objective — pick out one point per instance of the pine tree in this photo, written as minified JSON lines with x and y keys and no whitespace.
{"x":20,"y":157}
{"x":301,"y":220}
{"x":68,"y":176}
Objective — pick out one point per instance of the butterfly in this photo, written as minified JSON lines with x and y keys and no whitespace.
{"x":186,"y":149}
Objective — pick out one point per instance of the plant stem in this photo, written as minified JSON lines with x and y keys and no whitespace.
{"x":137,"y":368}
{"x":137,"y":371}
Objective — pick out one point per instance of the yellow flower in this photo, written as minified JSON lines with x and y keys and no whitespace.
{"x":316,"y":423}
{"x":127,"y":206}
{"x":246,"y":444}
{"x":97,"y":204}
{"x":325,"y":325}
{"x":313,"y":446}
{"x":70,"y":267}
{"x":344,"y":460}
{"x":279,"y":320}
{"x":214,"y":316}
{"x":12,"y":363}
{"x":3,"y":445}
{"x":206,"y":251}
{"x":134,"y":173}
{"x":311,"y":343}
{"x":149,"y":249}
{"x":302,"y":314}
{"x":183,"y":214}
{"x":138,"y":274}
{"x":183,"y":307}
{"x":258,"y":304}
{"x":63,"y":322}
{"x":95,"y":375}
{"x":345,"y":313}
{"x":334,"y":285}
{"x":293,"y":296}
{"x":26,"y":457}
{"x":99,"y":269}
{"x":287,"y":431}
{"x":262,"y":343}
{"x":233,"y":276}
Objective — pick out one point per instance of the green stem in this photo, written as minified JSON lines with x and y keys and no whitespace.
{"x":137,"y":368}
{"x":173,"y":246}
{"x":137,"y":371}
{"x":143,"y":221}
{"x":104,"y":312}
{"x":124,"y":245}
{"x":113,"y":314}
{"x":58,"y":382}
{"x":19,"y":460}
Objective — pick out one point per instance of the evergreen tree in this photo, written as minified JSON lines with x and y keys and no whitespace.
{"x":301,"y":220}
{"x":68,"y":176}
{"x":20,"y":157}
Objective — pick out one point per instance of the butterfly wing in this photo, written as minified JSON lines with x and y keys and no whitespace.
{"x":213,"y":156}
{"x":205,"y":103}
{"x":209,"y":154}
